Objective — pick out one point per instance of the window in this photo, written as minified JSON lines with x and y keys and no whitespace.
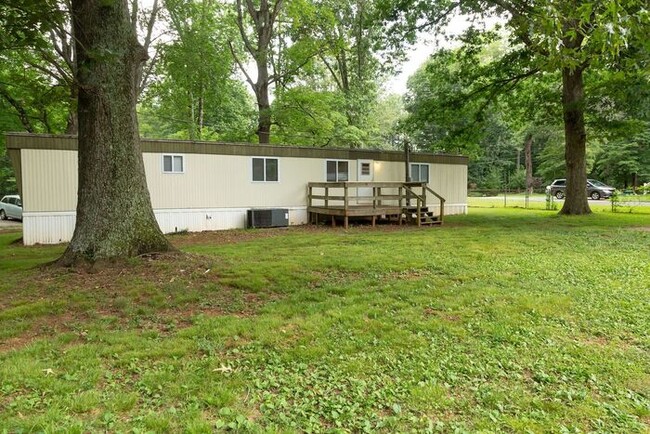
{"x":365,"y":169}
{"x":419,"y":172}
{"x":337,"y":171}
{"x":265,"y":169}
{"x":173,"y":164}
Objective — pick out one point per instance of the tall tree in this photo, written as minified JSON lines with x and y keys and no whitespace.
{"x":567,"y":36}
{"x":114,"y":213}
{"x":278,"y":37}
{"x":262,"y":18}
{"x":358,"y":58}
{"x":196,"y":95}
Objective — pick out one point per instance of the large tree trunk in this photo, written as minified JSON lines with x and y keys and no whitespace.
{"x":263,"y":101}
{"x":264,"y":118}
{"x":528,"y":156}
{"x":114,"y":214}
{"x":264,"y":21}
{"x":575,"y":138}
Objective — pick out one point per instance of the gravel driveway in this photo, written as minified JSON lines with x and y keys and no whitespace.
{"x":10,"y":224}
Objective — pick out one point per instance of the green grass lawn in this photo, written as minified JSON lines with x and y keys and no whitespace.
{"x":503,"y":320}
{"x":631,"y":204}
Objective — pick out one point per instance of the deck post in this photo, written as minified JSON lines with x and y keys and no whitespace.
{"x":374,"y":218}
{"x":333,"y":221}
{"x":424,"y":195}
{"x":379,"y":196}
{"x":442,"y":209}
{"x":345,"y":222}
{"x":400,"y":197}
{"x":327,"y":193}
{"x":419,"y":211}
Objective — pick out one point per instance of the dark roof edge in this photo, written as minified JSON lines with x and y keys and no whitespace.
{"x":69,"y":142}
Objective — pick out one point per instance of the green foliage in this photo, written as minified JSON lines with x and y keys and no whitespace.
{"x":23,"y":22}
{"x":197,"y":97}
{"x":454,"y":105}
{"x":625,"y":162}
{"x":441,"y":114}
{"x":517,"y":180}
{"x":29,"y":99}
{"x":308,"y":117}
{"x":7,"y":176}
{"x":342,"y":43}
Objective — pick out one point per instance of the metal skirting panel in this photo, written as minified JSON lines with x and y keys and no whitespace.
{"x":58,"y":227}
{"x":48,"y":228}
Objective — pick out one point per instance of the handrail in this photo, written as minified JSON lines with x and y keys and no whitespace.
{"x":414,"y":194}
{"x":357,"y":184}
{"x":442,"y":199}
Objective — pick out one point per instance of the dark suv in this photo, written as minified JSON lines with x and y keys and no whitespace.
{"x":595,"y":189}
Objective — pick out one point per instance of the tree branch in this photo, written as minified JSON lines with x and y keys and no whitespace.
{"x":239,"y":64}
{"x":329,"y":67}
{"x":22,"y":113}
{"x":242,"y":31}
{"x":296,"y":68}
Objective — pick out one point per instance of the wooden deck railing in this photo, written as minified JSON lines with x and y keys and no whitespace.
{"x":342,"y":196}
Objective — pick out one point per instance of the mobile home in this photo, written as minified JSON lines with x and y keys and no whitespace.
{"x":198,"y":186}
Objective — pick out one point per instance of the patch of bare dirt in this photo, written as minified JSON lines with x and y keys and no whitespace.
{"x":441,"y":314}
{"x":243,"y":235}
{"x":161,"y":292}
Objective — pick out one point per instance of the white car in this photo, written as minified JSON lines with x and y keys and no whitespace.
{"x":11,"y":207}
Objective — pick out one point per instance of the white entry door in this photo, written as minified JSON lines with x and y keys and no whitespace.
{"x":365,"y":173}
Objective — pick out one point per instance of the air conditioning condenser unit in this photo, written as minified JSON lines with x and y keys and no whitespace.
{"x":267,"y":218}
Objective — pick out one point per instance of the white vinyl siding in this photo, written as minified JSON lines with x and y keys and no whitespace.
{"x":213,"y":194}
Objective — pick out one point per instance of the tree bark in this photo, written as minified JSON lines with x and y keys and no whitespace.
{"x":263,"y":103}
{"x":575,"y":138}
{"x":528,"y":157}
{"x":263,"y":21}
{"x":114,"y":214}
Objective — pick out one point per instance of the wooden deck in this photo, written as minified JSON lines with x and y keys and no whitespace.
{"x":398,"y":201}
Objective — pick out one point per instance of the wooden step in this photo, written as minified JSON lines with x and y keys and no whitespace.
{"x":425,"y":218}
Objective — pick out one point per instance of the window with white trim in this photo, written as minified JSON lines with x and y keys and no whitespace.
{"x":173,"y":164}
{"x":337,"y":171}
{"x":419,"y":172}
{"x":265,"y":169}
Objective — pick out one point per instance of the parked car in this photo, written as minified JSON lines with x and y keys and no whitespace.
{"x":595,"y":189}
{"x":11,"y":207}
